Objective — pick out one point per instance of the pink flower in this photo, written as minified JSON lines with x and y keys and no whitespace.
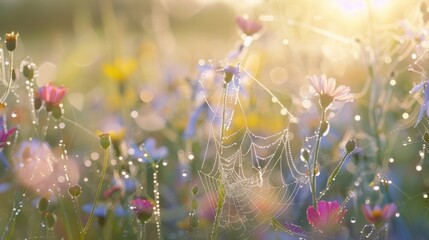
{"x":249,"y":27}
{"x":143,"y":208}
{"x":326,"y":217}
{"x":328,"y":93}
{"x":51,"y":94}
{"x":377,"y":215}
{"x":4,"y":133}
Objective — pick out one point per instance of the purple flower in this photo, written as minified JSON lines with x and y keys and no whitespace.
{"x":4,"y":133}
{"x":377,"y":215}
{"x":143,"y":208}
{"x":327,"y":217}
{"x":425,"y":106}
{"x":148,"y":151}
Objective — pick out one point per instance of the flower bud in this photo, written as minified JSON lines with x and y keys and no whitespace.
{"x":194,"y":204}
{"x":28,"y":71}
{"x":143,"y":209}
{"x":57,"y":112}
{"x":195,"y":190}
{"x":10,"y":40}
{"x":105,"y":140}
{"x":43,"y":204}
{"x":13,"y":74}
{"x":51,"y":219}
{"x":305,"y":154}
{"x":350,"y":146}
{"x":75,"y":191}
{"x":37,"y":102}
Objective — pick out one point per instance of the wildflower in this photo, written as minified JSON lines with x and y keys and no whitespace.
{"x":101,"y":211}
{"x":425,"y":106}
{"x":10,"y":40}
{"x":4,"y":133}
{"x":148,"y":151}
{"x":51,"y":95}
{"x":327,"y":217}
{"x":143,"y":209}
{"x":104,"y":140}
{"x":377,"y":215}
{"x":247,"y":26}
{"x":230,"y":72}
{"x":327,"y":91}
{"x":121,"y":69}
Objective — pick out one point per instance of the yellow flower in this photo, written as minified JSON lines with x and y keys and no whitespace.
{"x":121,"y":69}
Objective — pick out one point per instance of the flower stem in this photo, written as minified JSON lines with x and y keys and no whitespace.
{"x":9,"y":84}
{"x":220,"y":201}
{"x":223,"y":115}
{"x":316,"y":156}
{"x":142,"y":231}
{"x":100,"y":184}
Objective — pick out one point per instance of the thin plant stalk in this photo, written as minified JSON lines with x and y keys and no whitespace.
{"x":221,"y":198}
{"x":143,"y":231}
{"x":100,"y":184}
{"x":223,"y":114}
{"x":9,"y":84}
{"x":316,"y":156}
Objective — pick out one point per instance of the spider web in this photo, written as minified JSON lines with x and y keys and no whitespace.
{"x":257,"y":174}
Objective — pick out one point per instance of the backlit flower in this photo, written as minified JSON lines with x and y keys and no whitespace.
{"x":377,"y":215}
{"x":249,"y":27}
{"x":51,"y":95}
{"x":143,"y":208}
{"x":327,"y":217}
{"x":326,"y":88}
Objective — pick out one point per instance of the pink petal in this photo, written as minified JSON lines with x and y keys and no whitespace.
{"x":313,"y":217}
{"x":388,"y":211}
{"x":329,"y":89}
{"x":323,"y":208}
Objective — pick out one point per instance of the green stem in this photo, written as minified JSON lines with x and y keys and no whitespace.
{"x":223,"y":115}
{"x":316,"y":156}
{"x":143,"y":232}
{"x":9,"y":84}
{"x":100,"y":184}
{"x":333,"y":175}
{"x":220,"y":201}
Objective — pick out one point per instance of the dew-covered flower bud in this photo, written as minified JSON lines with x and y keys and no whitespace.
{"x":305,"y":154}
{"x":350,"y":146}
{"x":10,"y":40}
{"x":104,"y":140}
{"x":28,"y":71}
{"x":75,"y":191}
